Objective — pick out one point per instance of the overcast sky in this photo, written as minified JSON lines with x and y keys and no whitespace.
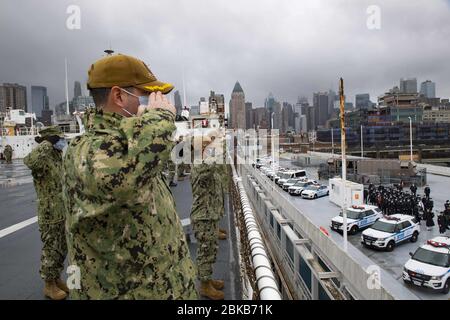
{"x":288,"y":47}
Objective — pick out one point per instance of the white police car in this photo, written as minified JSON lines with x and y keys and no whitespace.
{"x":389,"y":231}
{"x":315,"y":191}
{"x":429,"y":266}
{"x":296,"y":189}
{"x":291,"y":182}
{"x":358,"y":217}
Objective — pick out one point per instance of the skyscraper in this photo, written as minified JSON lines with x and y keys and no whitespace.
{"x":287,"y":117}
{"x":332,"y":97}
{"x":428,"y":89}
{"x":249,"y":115}
{"x":237,"y":108}
{"x":310,"y":118}
{"x":297,"y":114}
{"x":39,"y":100}
{"x":217,"y":103}
{"x":77,"y":89}
{"x":261,"y":118}
{"x":13,"y":96}
{"x":269,"y":103}
{"x":408,"y":85}
{"x":321,"y":104}
{"x":277,"y":116}
{"x":177,"y":102}
{"x":362,"y":101}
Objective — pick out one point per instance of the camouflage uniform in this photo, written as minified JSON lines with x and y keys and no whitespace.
{"x":123,"y":230}
{"x":45,"y":163}
{"x":171,"y":168}
{"x":180,"y":169}
{"x":205,"y":215}
{"x":8,"y":153}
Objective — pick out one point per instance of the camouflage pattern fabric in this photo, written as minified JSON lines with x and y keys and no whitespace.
{"x":54,"y":250}
{"x":7,"y":152}
{"x":123,"y":230}
{"x":180,"y":169}
{"x":45,"y":163}
{"x":171,"y":168}
{"x":206,"y":192}
{"x":218,"y":156}
{"x":206,"y":234}
{"x":206,"y":212}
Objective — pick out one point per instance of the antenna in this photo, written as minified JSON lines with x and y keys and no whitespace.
{"x":184,"y":91}
{"x":67,"y":89}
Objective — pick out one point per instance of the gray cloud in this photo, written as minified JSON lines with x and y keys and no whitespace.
{"x":290,"y":48}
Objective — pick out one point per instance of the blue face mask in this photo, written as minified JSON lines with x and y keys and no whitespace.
{"x":143,"y":101}
{"x":60,"y":145}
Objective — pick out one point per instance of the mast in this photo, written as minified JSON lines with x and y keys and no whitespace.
{"x":67,"y":89}
{"x":184,"y":92}
{"x":344,"y":160}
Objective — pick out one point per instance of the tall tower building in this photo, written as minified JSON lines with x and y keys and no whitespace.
{"x":277,"y":116}
{"x":249,"y":115}
{"x":217,"y":102}
{"x":237,"y":108}
{"x":177,"y":101}
{"x":77,"y":89}
{"x":287,"y":116}
{"x":39,"y":100}
{"x":408,"y":85}
{"x":321,"y":104}
{"x":332,"y":97}
{"x":428,"y":89}
{"x":362,"y":101}
{"x":13,"y":96}
{"x":269,"y":103}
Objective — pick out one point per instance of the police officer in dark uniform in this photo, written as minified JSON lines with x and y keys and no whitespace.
{"x":413,"y":189}
{"x":427,"y":191}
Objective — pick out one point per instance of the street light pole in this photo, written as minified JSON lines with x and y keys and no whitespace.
{"x":344,"y":162}
{"x":410,"y":139}
{"x":362,"y":143}
{"x":332,"y":142}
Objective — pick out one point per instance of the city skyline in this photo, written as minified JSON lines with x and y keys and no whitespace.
{"x":321,"y":41}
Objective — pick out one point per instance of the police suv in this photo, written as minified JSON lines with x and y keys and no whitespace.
{"x":358,"y":217}
{"x":389,"y":231}
{"x":429,"y":266}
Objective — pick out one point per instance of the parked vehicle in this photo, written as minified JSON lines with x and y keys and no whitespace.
{"x":358,"y":218}
{"x":315,"y":191}
{"x":292,"y":174}
{"x":429,"y":266}
{"x":299,"y":186}
{"x":390,"y":231}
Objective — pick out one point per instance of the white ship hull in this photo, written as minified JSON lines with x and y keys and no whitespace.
{"x":22,"y":145}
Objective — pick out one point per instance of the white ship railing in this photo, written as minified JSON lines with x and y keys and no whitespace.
{"x":265,"y":278}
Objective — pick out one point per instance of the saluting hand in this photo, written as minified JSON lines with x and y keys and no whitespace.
{"x":159,"y":101}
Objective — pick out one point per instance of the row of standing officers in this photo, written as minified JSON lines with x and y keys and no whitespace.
{"x":392,"y":200}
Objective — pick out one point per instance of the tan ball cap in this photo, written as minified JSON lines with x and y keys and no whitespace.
{"x":124,"y":71}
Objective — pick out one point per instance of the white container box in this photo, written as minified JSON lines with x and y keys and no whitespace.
{"x":354,"y":192}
